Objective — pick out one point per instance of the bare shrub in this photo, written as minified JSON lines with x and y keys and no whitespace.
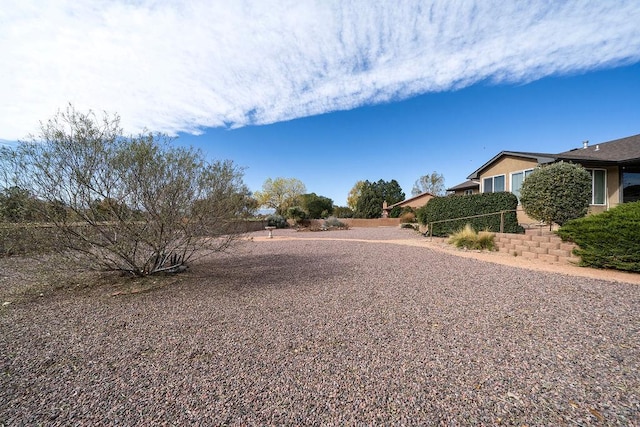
{"x":134,"y":204}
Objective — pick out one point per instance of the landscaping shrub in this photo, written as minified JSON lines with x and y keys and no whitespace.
{"x":607,"y":240}
{"x":407,"y":218}
{"x":410,"y":225}
{"x":297,"y":214}
{"x":556,"y":193}
{"x":444,"y":208}
{"x":333,"y":222}
{"x":277,"y":221}
{"x":468,"y":238}
{"x":25,"y":239}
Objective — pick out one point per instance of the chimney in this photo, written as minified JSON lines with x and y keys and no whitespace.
{"x":585,"y":144}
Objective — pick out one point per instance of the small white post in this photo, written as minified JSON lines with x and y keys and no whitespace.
{"x":270,"y":230}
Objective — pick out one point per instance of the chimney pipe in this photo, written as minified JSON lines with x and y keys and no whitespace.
{"x":585,"y":144}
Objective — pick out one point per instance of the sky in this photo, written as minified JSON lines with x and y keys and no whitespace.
{"x":331,"y":92}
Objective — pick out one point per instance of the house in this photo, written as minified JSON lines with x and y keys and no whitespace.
{"x":614,"y":167}
{"x":464,"y":189}
{"x":413,"y":202}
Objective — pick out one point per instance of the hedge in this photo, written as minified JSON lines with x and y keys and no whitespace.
{"x":451,"y":207}
{"x":607,"y":240}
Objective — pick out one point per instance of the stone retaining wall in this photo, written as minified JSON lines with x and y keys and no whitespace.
{"x":537,"y":244}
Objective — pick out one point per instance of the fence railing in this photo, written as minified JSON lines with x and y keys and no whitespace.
{"x":501,"y":213}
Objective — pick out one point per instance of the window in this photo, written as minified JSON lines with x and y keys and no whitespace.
{"x":468,"y":192}
{"x":598,"y":186}
{"x":493,"y":184}
{"x":630,"y":186}
{"x":517,"y":178}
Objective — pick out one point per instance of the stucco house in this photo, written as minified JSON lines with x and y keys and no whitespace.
{"x":614,"y":167}
{"x":464,"y":189}
{"x":413,"y":202}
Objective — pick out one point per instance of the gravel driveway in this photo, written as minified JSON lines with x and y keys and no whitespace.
{"x":351,"y":329}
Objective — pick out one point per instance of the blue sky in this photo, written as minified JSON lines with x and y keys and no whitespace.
{"x":332,"y":91}
{"x":452,"y":132}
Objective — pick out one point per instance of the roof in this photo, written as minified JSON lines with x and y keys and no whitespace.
{"x":619,"y":151}
{"x":465,"y":186}
{"x":623,"y":150}
{"x":419,"y":196}
{"x":541,"y":158}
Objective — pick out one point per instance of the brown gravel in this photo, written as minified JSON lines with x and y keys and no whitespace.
{"x":363,"y":326}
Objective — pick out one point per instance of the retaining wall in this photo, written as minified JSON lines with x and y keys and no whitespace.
{"x":537,"y":244}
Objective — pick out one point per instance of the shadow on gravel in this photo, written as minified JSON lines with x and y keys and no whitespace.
{"x":257,"y":270}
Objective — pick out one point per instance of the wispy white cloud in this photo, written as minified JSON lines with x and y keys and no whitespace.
{"x":176,"y":66}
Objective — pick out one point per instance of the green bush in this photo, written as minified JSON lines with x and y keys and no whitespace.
{"x":451,"y":207}
{"x":277,"y":221}
{"x":558,"y":192}
{"x":607,"y":240}
{"x":297,"y":214}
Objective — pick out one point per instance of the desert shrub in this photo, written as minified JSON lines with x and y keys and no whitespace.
{"x":410,"y":225}
{"x":277,"y":221}
{"x":333,"y":222}
{"x":468,"y":238}
{"x":407,"y":217}
{"x":26,"y":239}
{"x":133,"y":204}
{"x":445,"y":208}
{"x":609,"y":239}
{"x":486,"y":240}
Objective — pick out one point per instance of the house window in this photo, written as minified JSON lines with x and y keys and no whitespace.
{"x":468,"y":192}
{"x":598,"y":186}
{"x":493,"y":184}
{"x":517,"y":178}
{"x":630,"y":186}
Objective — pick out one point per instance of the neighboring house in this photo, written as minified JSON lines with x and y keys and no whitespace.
{"x":614,"y":167}
{"x":413,"y":202}
{"x":464,"y":189}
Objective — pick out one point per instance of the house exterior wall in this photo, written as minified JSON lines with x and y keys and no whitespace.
{"x":505,"y":166}
{"x":416,"y":202}
{"x":614,"y":191}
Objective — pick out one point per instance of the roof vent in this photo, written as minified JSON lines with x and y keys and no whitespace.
{"x":597,"y":148}
{"x":585,"y":144}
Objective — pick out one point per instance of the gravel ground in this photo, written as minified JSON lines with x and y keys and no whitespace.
{"x":331,"y":328}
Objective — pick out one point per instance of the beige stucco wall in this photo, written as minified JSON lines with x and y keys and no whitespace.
{"x":417,"y":202}
{"x":505,"y":166}
{"x":613,"y":186}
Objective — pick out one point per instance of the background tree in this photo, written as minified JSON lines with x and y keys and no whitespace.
{"x":372,"y":196}
{"x":556,"y":193}
{"x":280,"y":194}
{"x":162,"y":205}
{"x":342,"y":212}
{"x":433,"y":183}
{"x":316,"y":206}
{"x":354,"y":195}
{"x":297,"y":214}
{"x":18,"y":205}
